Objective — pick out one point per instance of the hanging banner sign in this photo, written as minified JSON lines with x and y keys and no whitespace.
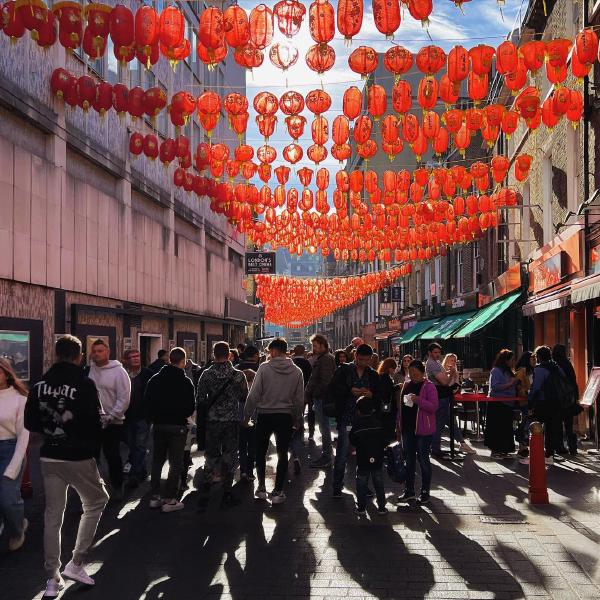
{"x":260,"y":263}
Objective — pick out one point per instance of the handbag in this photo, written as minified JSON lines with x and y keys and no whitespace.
{"x":396,"y":463}
{"x":202,"y":416}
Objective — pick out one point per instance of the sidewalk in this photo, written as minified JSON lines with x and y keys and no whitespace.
{"x":479,"y":538}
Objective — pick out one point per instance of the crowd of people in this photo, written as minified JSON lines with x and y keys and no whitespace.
{"x":233,"y":406}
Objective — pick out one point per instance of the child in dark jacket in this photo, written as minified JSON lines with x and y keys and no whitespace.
{"x":368,"y":437}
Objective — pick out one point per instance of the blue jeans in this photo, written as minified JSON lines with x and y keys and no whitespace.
{"x":362,"y":486}
{"x":442,"y":418}
{"x":11,"y":503}
{"x":247,"y":449}
{"x":324,"y":426}
{"x":416,"y":447}
{"x":138,"y":433}
{"x":341,"y":457}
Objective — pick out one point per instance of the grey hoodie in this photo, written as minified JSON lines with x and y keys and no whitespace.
{"x":114,"y":389}
{"x":278,"y":388}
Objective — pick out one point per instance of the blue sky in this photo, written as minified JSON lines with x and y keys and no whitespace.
{"x":480,"y":22}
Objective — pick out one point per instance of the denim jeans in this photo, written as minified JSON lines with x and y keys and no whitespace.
{"x":442,"y":418}
{"x":137,"y":432}
{"x":362,"y":486}
{"x":110,"y":444}
{"x":341,"y":457}
{"x":416,"y":447}
{"x":247,"y":449}
{"x":324,"y":426}
{"x":267,"y":424}
{"x":11,"y":503}
{"x":169,"y":442}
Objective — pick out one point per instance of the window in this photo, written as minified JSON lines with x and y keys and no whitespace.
{"x":572,"y":169}
{"x":476,"y":264}
{"x":547,"y":197}
{"x":427,"y":283}
{"x":112,"y":63}
{"x":418,"y":286}
{"x":162,"y":123}
{"x":189,"y":36}
{"x":459,"y":271}
{"x":526,"y":223}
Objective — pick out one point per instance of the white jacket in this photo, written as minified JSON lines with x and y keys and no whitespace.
{"x":114,"y":389}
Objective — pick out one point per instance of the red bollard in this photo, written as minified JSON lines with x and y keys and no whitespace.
{"x":538,"y":488}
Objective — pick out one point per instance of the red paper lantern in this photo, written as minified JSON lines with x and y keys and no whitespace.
{"x":239,"y":123}
{"x":70,"y":23}
{"x":320,"y":58}
{"x":449,"y":91}
{"x":12,"y":21}
{"x":151,"y":146}
{"x":341,"y":152}
{"x":172,"y":27}
{"x":533,"y":54}
{"x":291,"y":103}
{"x":209,"y":103}
{"x":367,"y":150}
{"x":59,"y":82}
{"x":363,"y":60}
{"x":482,"y":58}
{"x":289,"y":15}
{"x":266,"y":154}
{"x":478,"y":87}
{"x":318,"y":101}
{"x":147,"y":55}
{"x":235,"y":104}
{"x":283,"y":56}
{"x":462,"y":139}
{"x":136,"y":143}
{"x":320,"y":130}
{"x":266,"y":103}
{"x":428,"y":93}
{"x":579,"y":69}
{"x":103,"y":100}
{"x":93,"y":46}
{"x":340,"y":130}
{"x":248,"y":56}
{"x":261,"y":26}
{"x":575,"y":111}
{"x":236,"y":26}
{"x":147,"y":28}
{"x":431,"y":125}
{"x":459,"y":64}
{"x":155,"y":99}
{"x":321,"y":21}
{"x":211,"y":29}
{"x":398,"y":60}
{"x":349,"y":17}
{"x":363,"y":128}
{"x":167,"y":151}
{"x":556,"y":75}
{"x":135,"y":102}
{"x":46,"y":32}
{"x":507,"y":58}
{"x":410,"y":128}
{"x":430,"y":59}
{"x":266,"y":125}
{"x":510,"y":122}
{"x":586,"y":46}
{"x":517,"y":78}
{"x":121,"y":26}
{"x":293,"y":153}
{"x":420,"y":10}
{"x":120,"y":98}
{"x":402,"y":96}
{"x":386,"y":14}
{"x":377,"y":101}
{"x":557,"y":52}
{"x":549,"y":117}
{"x":441,"y":142}
{"x":352,"y":102}
{"x":527,"y":103}
{"x":86,"y":91}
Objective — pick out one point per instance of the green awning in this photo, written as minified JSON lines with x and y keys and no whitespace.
{"x":442,"y":329}
{"x":486,"y":315}
{"x":416,"y":330}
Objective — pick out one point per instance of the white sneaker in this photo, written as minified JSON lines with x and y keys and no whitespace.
{"x":261,"y":493}
{"x":524,"y":461}
{"x":156,"y":502}
{"x":78,"y":573}
{"x":549,"y":460}
{"x":467,"y":449}
{"x":54,"y":587}
{"x":277,"y":498}
{"x":172,"y":506}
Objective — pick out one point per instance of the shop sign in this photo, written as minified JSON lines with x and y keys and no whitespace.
{"x":386,"y":309}
{"x":127,"y":344}
{"x":385,"y":296}
{"x":592,"y":389}
{"x":509,"y":281}
{"x":260,"y":263}
{"x":394,"y":324}
{"x":397,"y":293}
{"x":406,"y":325}
{"x":548,"y":273}
{"x":461,"y":303}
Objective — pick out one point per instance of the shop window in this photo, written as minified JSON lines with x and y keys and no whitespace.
{"x":547,"y":198}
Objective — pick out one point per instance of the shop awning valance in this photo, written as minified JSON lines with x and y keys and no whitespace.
{"x":486,"y":316}
{"x":444,"y":328}
{"x":417,"y":330}
{"x":586,"y":289}
{"x":545,"y":302}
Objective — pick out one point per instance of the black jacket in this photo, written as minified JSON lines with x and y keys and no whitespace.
{"x":340,"y":388}
{"x":247,"y":364}
{"x":170,"y":397}
{"x":304,"y":366}
{"x":64,"y":407}
{"x":157,"y":365}
{"x":137,"y":405}
{"x":368,"y":438}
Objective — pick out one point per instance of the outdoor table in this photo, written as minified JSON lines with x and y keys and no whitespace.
{"x":471,"y":397}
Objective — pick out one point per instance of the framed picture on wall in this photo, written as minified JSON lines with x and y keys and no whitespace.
{"x":190,"y":349}
{"x":15,"y":347}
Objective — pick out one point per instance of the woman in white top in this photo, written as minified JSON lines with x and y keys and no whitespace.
{"x":13,"y":446}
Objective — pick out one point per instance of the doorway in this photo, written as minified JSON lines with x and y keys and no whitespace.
{"x":149,"y":345}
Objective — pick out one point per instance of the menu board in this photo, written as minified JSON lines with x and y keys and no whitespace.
{"x":592,"y":389}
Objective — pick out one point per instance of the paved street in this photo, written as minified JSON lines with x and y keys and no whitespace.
{"x":478,"y":539}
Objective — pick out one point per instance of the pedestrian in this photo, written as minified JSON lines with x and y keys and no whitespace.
{"x":349,"y":383}
{"x":524,"y":375}
{"x":250,"y":359}
{"x":351,"y":349}
{"x":221,"y":391}
{"x":401,"y":375}
{"x":277,"y":395}
{"x":64,"y":408}
{"x":545,"y":399}
{"x":247,"y":435}
{"x":417,"y":425}
{"x":499,"y":436}
{"x":161,"y":360}
{"x":137,"y":426}
{"x":234,"y":357}
{"x":367,"y":436}
{"x":442,"y":381}
{"x":114,"y":389}
{"x":316,"y":392}
{"x":389,"y":395}
{"x":450,"y":365}
{"x":170,"y":401}
{"x":559,"y":356}
{"x":340,"y":357}
{"x":193,"y":372}
{"x":297,"y":443}
{"x":13,"y":448}
{"x":240,"y":348}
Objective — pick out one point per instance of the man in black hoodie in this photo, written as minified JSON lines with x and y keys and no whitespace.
{"x":64,"y":408}
{"x":170,"y":402}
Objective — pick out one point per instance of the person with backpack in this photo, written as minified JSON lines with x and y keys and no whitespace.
{"x":416,"y":427}
{"x":367,"y":436}
{"x":549,"y":395}
{"x":349,"y":383}
{"x":221,"y":390}
{"x":571,"y":406}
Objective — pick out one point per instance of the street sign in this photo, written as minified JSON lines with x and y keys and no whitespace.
{"x":386,"y":310}
{"x":260,"y":263}
{"x":397,"y":293}
{"x":385,"y":295}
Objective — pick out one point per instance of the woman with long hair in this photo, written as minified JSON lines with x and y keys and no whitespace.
{"x":524,"y":375}
{"x":401,"y":375}
{"x":499,"y":437}
{"x":389,"y":392}
{"x":559,"y":356}
{"x":13,"y":446}
{"x":341,"y":357}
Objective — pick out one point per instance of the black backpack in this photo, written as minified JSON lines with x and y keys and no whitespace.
{"x":558,"y":392}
